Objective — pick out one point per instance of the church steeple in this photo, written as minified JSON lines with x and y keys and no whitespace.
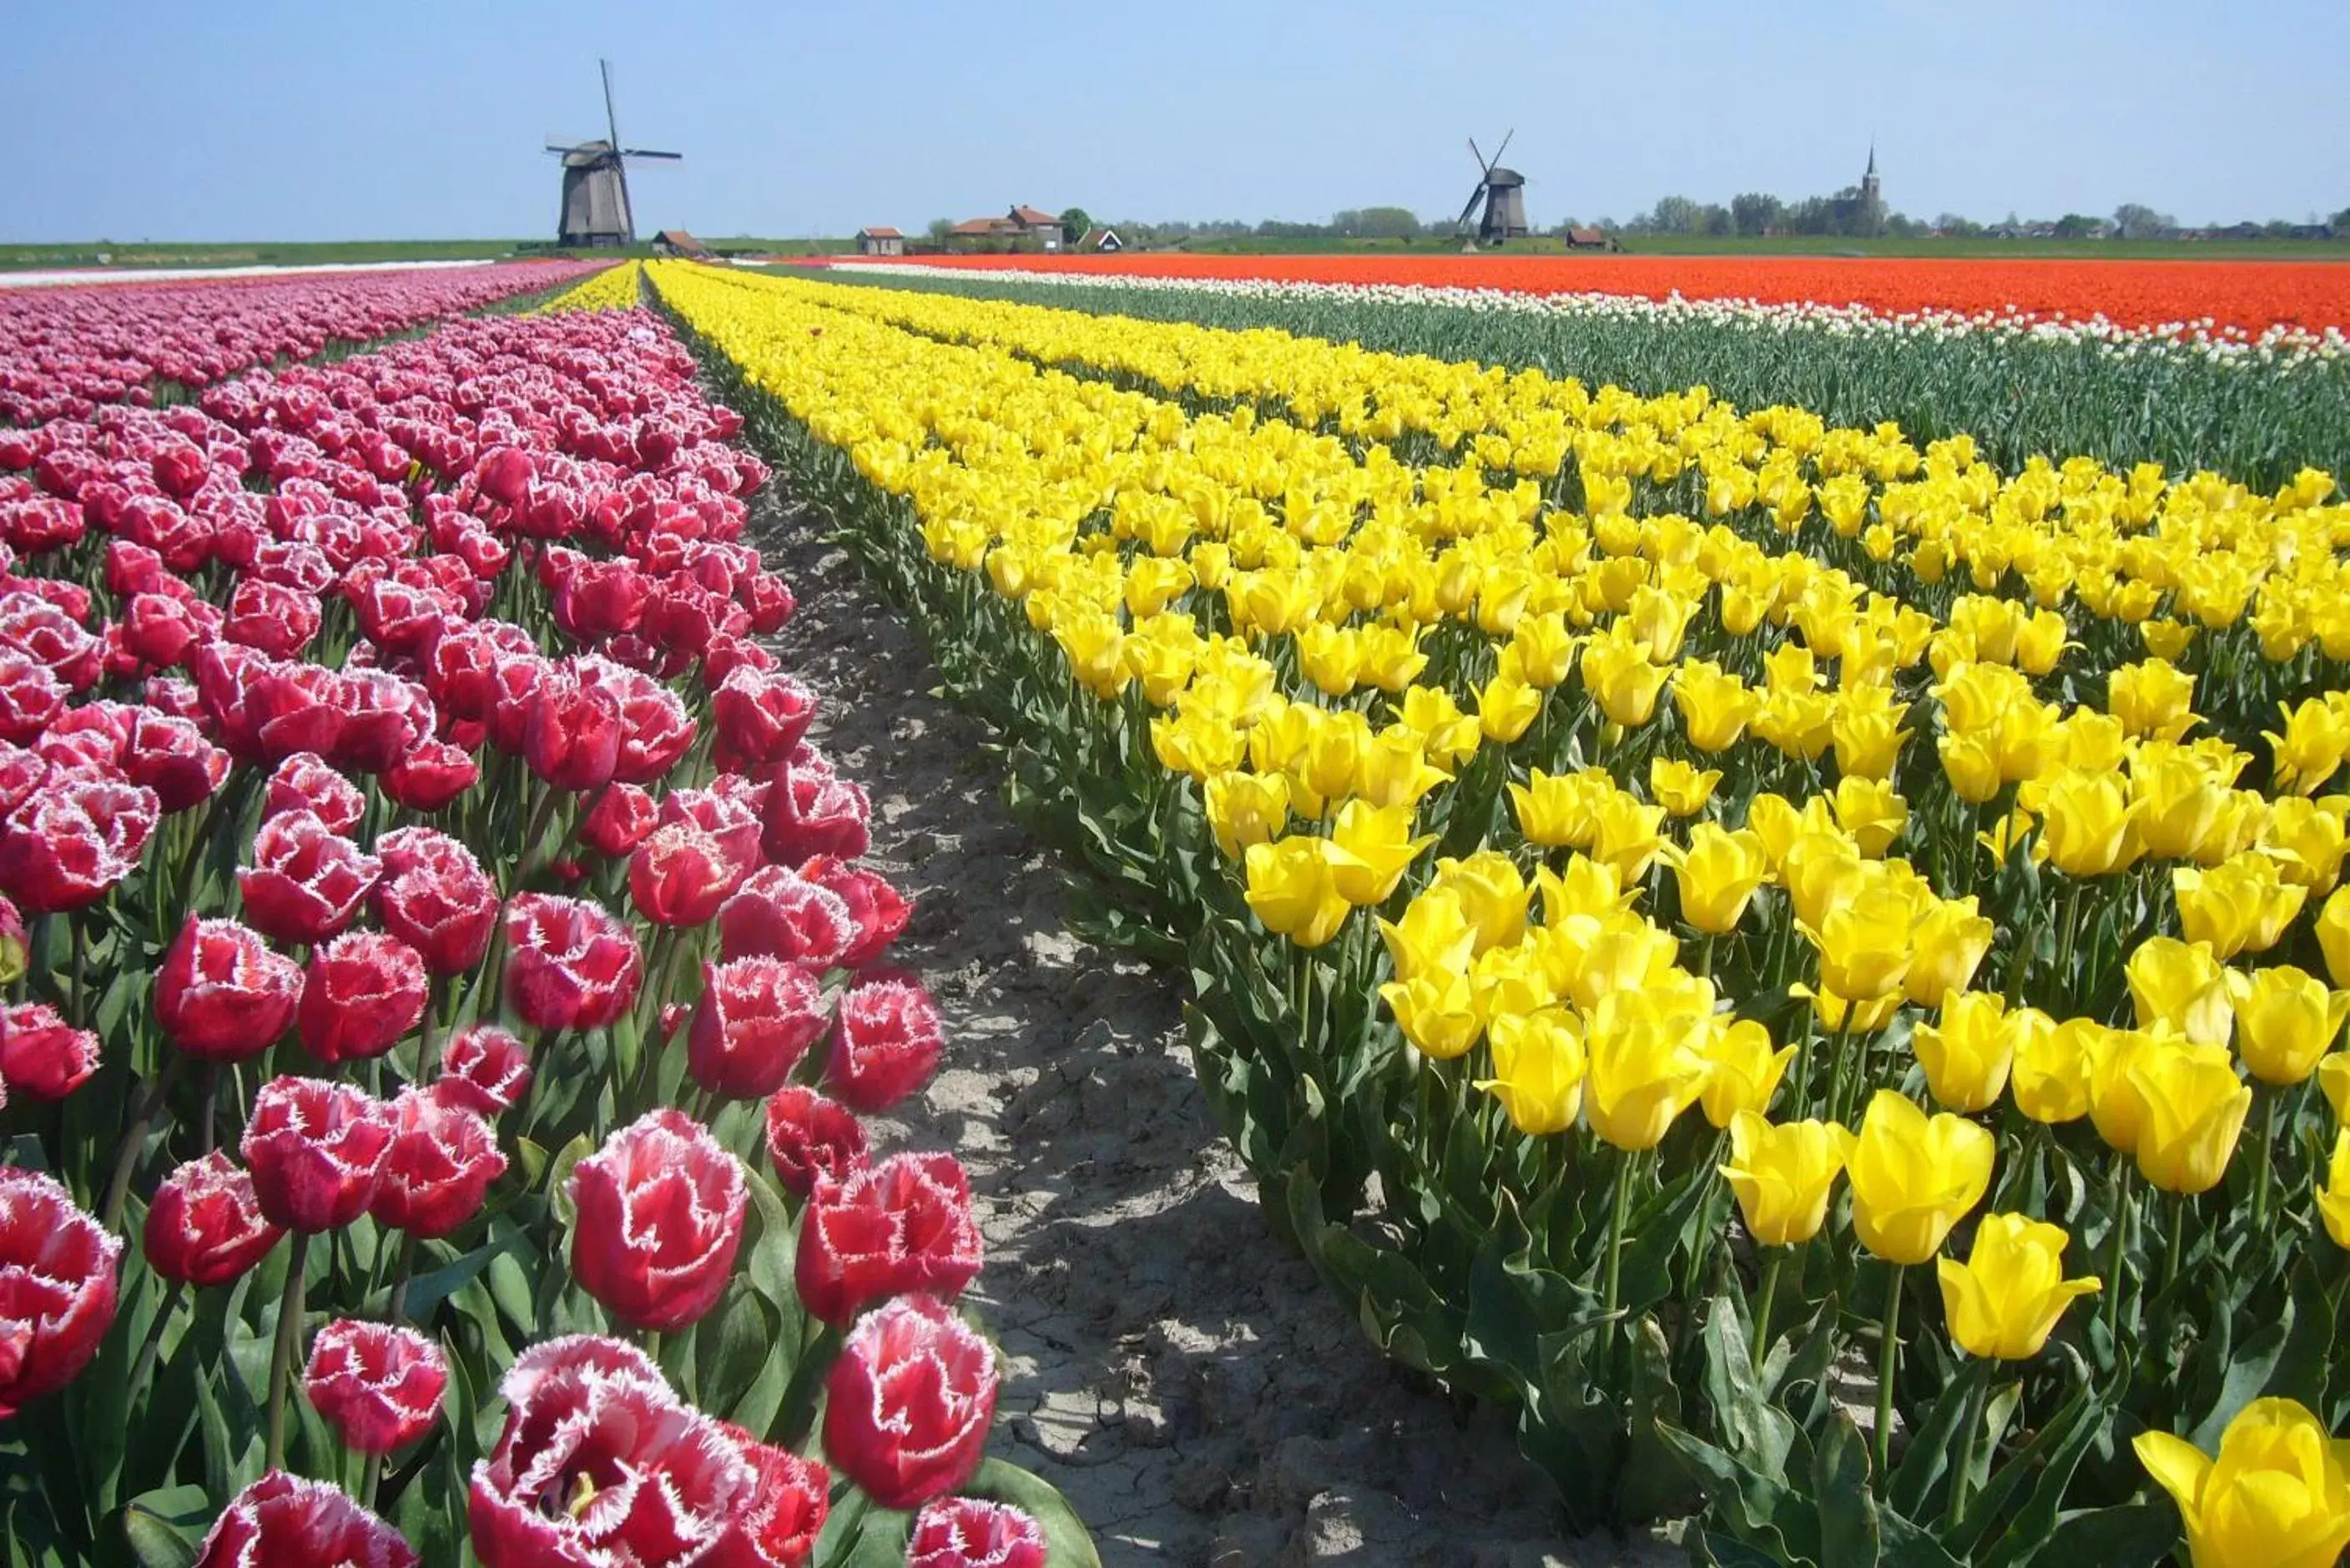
{"x":1872,"y":195}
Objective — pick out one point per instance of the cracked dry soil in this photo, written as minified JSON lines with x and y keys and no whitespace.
{"x":1199,"y":1397}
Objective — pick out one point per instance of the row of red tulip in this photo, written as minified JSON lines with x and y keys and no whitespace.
{"x":335,"y":629}
{"x":64,"y":352}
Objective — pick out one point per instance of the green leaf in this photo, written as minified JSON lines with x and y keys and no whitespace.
{"x":1067,"y":1544}
{"x":166,"y":1526}
{"x":1850,"y":1535}
{"x":2249,"y":1369}
{"x":2132,"y":1535}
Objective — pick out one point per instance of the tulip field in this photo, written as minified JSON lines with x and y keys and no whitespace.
{"x":444,"y":1005}
{"x":1803,"y":960}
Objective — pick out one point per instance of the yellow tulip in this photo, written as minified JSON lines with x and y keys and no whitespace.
{"x":2333,"y":1198}
{"x":1822,"y":870}
{"x":1914,"y":1177}
{"x":1714,"y":706}
{"x":1870,"y":811}
{"x":1781,"y":1175}
{"x":2286,"y":1020}
{"x":1717,"y":874}
{"x":1245,"y":809}
{"x":2310,"y":747}
{"x":2195,"y":1109}
{"x":1679,"y":788}
{"x":1554,"y":810}
{"x":1433,"y":937}
{"x":1378,"y":846}
{"x":1292,"y":886}
{"x":1801,"y":724}
{"x":1626,"y":833}
{"x":1538,"y":1070}
{"x":1394,"y":770}
{"x":2334,"y":1083}
{"x":1624,"y":953}
{"x":2334,"y":935}
{"x":1864,"y":943}
{"x":1947,"y":943}
{"x":2181,"y":987}
{"x":2003,"y":1301}
{"x":2242,"y":905}
{"x":1967,"y":1055}
{"x":2306,"y":839}
{"x":1545,"y":650}
{"x":2051,"y":1074}
{"x":2152,"y":699}
{"x":1622,"y":681}
{"x":1506,"y":708}
{"x":1493,"y":895}
{"x":1437,"y":1012}
{"x":1644,"y":1066}
{"x":1744,"y":1070}
{"x":1971,"y":764}
{"x":2086,"y":824}
{"x":2277,"y":1496}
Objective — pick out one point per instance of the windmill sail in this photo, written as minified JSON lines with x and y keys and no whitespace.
{"x":596,"y":207}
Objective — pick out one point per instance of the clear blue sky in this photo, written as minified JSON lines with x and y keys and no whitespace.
{"x":138,"y":119}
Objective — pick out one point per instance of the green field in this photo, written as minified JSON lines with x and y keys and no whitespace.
{"x":270,"y":253}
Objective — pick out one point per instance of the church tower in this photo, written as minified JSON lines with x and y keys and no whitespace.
{"x":1872,"y":196}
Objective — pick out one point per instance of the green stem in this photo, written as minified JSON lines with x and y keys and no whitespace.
{"x":1763,"y":1300}
{"x":2115,"y":1256}
{"x":1617,"y":1218}
{"x":289,"y":1340}
{"x":134,"y":1140}
{"x":396,"y":1310}
{"x":2266,"y":1157}
{"x":852,"y":1524}
{"x":1971,"y":1431}
{"x":1889,"y":1363}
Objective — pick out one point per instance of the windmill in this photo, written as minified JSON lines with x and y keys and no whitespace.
{"x":596,"y":208}
{"x":1503,"y":192}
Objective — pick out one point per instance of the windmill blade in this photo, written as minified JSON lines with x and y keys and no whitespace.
{"x":642,"y":152}
{"x":1471,"y":207}
{"x":611,"y":120}
{"x":1480,"y":157}
{"x":1503,"y":147}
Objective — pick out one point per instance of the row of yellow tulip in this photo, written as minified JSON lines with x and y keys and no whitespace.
{"x":2119,"y":544}
{"x":614,"y":288}
{"x":1137,"y":538}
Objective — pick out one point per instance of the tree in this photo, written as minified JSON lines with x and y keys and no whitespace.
{"x":2341,"y":221}
{"x":1755,"y":212}
{"x":940,"y":229}
{"x":1958,"y":226}
{"x":1075,"y":223}
{"x":2136,"y":221}
{"x":1716,"y":220}
{"x":1377,"y":222}
{"x":1677,"y":216}
{"x":2078,"y":227}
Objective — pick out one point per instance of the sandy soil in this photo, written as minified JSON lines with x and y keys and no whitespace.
{"x":1197,"y":1393}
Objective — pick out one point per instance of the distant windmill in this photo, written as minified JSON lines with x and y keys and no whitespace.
{"x":596,"y":208}
{"x":1503,"y":192}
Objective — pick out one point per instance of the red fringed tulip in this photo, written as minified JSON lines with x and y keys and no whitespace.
{"x":970,"y":1533}
{"x":316,"y":1151}
{"x":378,"y":1387}
{"x":57,"y":1286}
{"x":779,"y":914}
{"x":571,"y":738}
{"x":442,"y":1162}
{"x":903,"y":1225}
{"x":447,"y":911}
{"x":788,"y":1500}
{"x":306,"y":881}
{"x":170,"y":756}
{"x":880,"y":910}
{"x":484,"y":1070}
{"x":569,"y":963}
{"x":810,"y":814}
{"x":362,"y":992}
{"x":281,"y":1521}
{"x":760,"y":716}
{"x":679,"y":875}
{"x":43,"y":1056}
{"x":756,"y":1019}
{"x":430,"y":775}
{"x":601,"y":1463}
{"x":620,"y":820}
{"x":908,"y":1403}
{"x":68,"y":846}
{"x":205,"y":1225}
{"x":304,"y":782}
{"x":659,"y":1215}
{"x":809,"y":1137}
{"x":222,"y":995}
{"x":886,"y":1044}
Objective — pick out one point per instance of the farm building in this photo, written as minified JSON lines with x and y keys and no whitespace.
{"x":1104,"y":240}
{"x":1017,"y":228}
{"x":678,"y":242}
{"x":880,"y":242}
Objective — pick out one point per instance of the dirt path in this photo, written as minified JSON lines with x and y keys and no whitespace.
{"x":1198,"y":1395}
